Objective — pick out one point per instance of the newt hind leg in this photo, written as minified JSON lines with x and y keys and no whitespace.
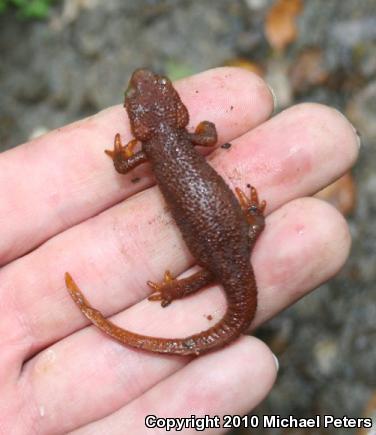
{"x":253,"y":210}
{"x":172,"y":288}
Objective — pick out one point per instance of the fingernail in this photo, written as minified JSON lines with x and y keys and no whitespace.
{"x":357,"y":134}
{"x":358,"y":137}
{"x":273,"y":96}
{"x":276,"y":362}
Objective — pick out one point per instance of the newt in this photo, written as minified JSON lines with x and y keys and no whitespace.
{"x":219,"y":227}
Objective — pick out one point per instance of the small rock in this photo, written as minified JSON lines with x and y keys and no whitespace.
{"x":308,"y":70}
{"x":256,"y":5}
{"x":326,"y":352}
{"x":341,"y":194}
{"x":248,"y":65}
{"x":369,"y":412}
{"x":280,"y":23}
{"x":277,"y":77}
{"x":38,"y":131}
{"x":361,"y":110}
{"x":351,"y":32}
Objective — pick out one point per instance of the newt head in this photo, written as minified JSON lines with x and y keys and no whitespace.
{"x":152,"y":104}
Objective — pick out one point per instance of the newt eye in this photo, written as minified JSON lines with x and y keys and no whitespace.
{"x":130,"y":91}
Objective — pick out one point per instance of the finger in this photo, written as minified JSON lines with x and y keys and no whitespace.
{"x":64,"y":177}
{"x":295,"y":153}
{"x":295,"y":225}
{"x":231,"y":381}
{"x":305,"y":243}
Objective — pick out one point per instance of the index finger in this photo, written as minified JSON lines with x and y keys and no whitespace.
{"x":63,"y":178}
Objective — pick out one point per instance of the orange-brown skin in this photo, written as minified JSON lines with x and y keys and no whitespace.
{"x":219,"y":229}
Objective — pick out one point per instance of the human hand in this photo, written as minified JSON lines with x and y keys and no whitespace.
{"x":62,"y":209}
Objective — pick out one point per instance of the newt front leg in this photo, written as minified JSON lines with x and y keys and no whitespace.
{"x":124,"y":157}
{"x":205,"y":134}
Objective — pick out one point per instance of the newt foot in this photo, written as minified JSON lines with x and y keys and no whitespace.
{"x":125,"y":151}
{"x":166,"y":291}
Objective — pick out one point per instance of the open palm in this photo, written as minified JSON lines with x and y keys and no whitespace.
{"x":64,"y":208}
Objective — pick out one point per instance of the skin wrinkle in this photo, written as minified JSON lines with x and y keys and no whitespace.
{"x":19,"y":338}
{"x":136,"y":250}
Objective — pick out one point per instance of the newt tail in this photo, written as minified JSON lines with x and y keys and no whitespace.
{"x":240,"y":312}
{"x":219,"y":227}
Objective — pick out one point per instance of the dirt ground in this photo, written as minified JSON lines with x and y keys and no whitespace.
{"x":77,"y":62}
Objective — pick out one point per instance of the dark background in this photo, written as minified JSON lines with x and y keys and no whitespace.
{"x":78,"y":60}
